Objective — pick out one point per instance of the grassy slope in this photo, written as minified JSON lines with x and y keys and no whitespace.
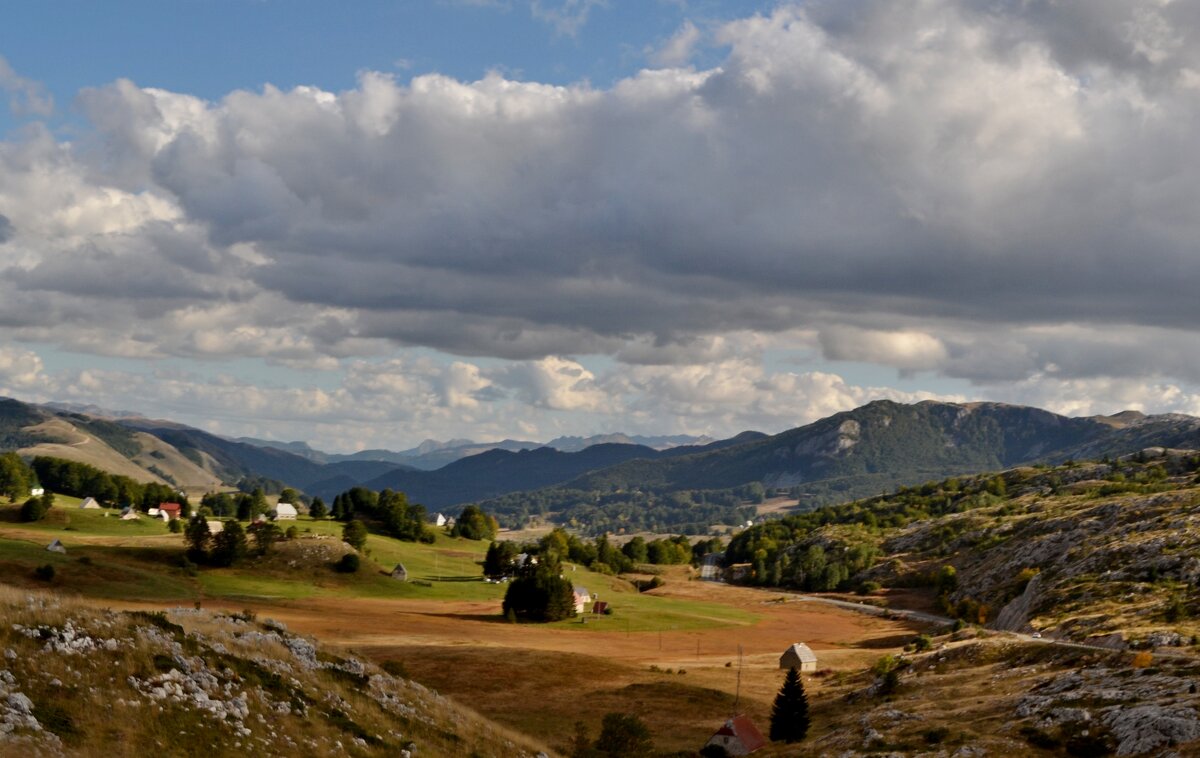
{"x":139,"y":560}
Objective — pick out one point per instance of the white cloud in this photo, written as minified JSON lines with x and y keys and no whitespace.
{"x":566,"y":17}
{"x":26,"y":97}
{"x":998,"y":193}
{"x":677,"y":50}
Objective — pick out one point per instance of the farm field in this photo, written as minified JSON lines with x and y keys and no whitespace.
{"x":669,"y":655}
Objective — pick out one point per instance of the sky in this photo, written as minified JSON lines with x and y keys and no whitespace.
{"x":364,"y":225}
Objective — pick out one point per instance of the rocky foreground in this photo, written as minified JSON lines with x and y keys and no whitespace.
{"x":75,"y":681}
{"x":994,"y":697}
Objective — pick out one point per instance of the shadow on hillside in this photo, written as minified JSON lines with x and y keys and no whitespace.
{"x":895,"y":640}
{"x":490,"y":618}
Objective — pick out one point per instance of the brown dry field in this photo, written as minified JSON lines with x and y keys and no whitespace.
{"x":540,"y":681}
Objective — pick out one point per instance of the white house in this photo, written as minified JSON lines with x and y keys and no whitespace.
{"x":154,"y":513}
{"x":129,"y":514}
{"x":89,"y":504}
{"x":800,"y":657}
{"x":285,"y":512}
{"x":38,"y":492}
{"x":582,"y":598}
{"x":440,"y":520}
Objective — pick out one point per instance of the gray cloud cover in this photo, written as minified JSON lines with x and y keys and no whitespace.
{"x":1001,"y":192}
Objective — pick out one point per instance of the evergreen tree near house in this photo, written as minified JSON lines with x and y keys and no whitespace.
{"x":198,"y":538}
{"x":229,"y":545}
{"x":540,"y":593}
{"x":354,"y":534}
{"x":317,"y":509}
{"x":789,"y":714}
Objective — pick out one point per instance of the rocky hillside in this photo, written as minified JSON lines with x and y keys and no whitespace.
{"x":970,"y":698}
{"x":75,"y":681}
{"x":1103,"y":553}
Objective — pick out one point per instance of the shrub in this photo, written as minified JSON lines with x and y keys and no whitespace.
{"x":45,"y":572}
{"x":866,"y":588}
{"x":936,"y":736}
{"x":292,"y":533}
{"x":174,"y":526}
{"x":395,"y":668}
{"x":34,"y":509}
{"x":348,"y":564}
{"x":1142,"y":660}
{"x":922,"y":643}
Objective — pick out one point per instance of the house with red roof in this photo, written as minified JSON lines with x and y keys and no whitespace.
{"x":738,"y":736}
{"x":170,"y":511}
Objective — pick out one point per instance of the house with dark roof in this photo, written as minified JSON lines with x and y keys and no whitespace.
{"x":738,"y":736}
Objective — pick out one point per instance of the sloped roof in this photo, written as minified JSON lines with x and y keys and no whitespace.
{"x":285,"y":509}
{"x":745,"y":731}
{"x":170,"y":507}
{"x":801,"y":651}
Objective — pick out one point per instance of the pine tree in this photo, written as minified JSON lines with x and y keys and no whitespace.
{"x":789,"y":714}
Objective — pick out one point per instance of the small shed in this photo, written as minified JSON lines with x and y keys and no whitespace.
{"x":582,"y":598}
{"x":38,"y":492}
{"x":89,"y":504}
{"x":599,"y":607}
{"x":400,"y":574}
{"x":215,"y":527}
{"x":56,"y":547}
{"x":440,"y":520}
{"x":738,"y":736}
{"x":170,"y":511}
{"x":285,"y":512}
{"x":800,"y":657}
{"x":153,"y":513}
{"x":129,"y":513}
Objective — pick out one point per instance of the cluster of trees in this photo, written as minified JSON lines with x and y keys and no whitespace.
{"x":474,"y":524}
{"x":599,"y":512}
{"x":621,"y":734}
{"x":795,"y":552}
{"x":16,"y":478}
{"x":599,"y":554}
{"x":388,"y":511}
{"x":82,"y":480}
{"x":232,"y":544}
{"x":245,"y":506}
{"x":540,"y":592}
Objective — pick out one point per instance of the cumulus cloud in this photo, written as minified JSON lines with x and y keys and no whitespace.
{"x":989,"y":191}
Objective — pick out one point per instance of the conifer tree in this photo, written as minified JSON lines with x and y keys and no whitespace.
{"x":789,"y":714}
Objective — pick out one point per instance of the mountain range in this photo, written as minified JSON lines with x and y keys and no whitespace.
{"x":860,"y":452}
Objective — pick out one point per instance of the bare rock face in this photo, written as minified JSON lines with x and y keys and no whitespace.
{"x":1145,"y":727}
{"x":1014,"y":617}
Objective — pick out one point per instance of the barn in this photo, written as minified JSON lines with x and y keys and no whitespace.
{"x":170,"y":511}
{"x":738,"y":736}
{"x":285,"y":512}
{"x":800,"y":657}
